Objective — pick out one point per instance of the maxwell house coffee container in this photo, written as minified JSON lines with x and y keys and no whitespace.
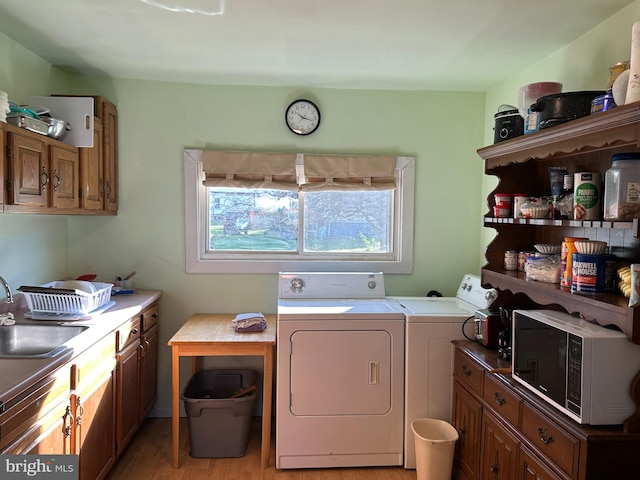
{"x":586,"y":196}
{"x":593,"y":273}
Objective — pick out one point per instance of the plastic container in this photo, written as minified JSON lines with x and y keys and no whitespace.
{"x":435,"y":442}
{"x":219,"y":425}
{"x":533,"y":91}
{"x":622,"y":188}
{"x":68,"y":303}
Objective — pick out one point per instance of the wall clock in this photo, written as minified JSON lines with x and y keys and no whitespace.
{"x":302,"y":117}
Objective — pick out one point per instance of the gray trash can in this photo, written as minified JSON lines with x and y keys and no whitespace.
{"x":218,"y":424}
{"x":435,"y":443}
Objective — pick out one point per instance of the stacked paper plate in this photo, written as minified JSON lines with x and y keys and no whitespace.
{"x":4,"y":106}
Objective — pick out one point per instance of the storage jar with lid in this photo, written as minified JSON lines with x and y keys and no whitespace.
{"x":622,"y":188}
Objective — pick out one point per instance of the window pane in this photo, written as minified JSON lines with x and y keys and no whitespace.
{"x":349,"y":222}
{"x":253,"y":220}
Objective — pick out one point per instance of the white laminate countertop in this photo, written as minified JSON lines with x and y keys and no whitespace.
{"x":17,"y":374}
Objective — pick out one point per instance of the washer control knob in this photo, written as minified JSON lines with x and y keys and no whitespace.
{"x":371,"y":284}
{"x":297,"y":284}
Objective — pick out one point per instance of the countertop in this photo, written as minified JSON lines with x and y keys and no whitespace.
{"x":20,"y":373}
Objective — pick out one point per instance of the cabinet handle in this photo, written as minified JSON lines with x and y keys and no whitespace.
{"x":79,"y":411}
{"x":143,"y":351}
{"x":545,"y":435}
{"x":44,"y":179}
{"x":494,"y":468}
{"x":108,"y":189}
{"x":56,"y":181}
{"x":466,"y":371}
{"x":463,"y":431}
{"x":500,"y":400}
{"x":134,"y":331}
{"x":154,"y":315}
{"x":66,"y":428}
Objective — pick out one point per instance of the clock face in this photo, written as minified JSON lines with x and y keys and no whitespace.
{"x":302,"y":117}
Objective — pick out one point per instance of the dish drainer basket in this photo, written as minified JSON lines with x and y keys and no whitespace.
{"x":68,"y":302}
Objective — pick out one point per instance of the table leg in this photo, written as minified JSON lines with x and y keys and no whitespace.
{"x":175,"y":406}
{"x":267,"y":386}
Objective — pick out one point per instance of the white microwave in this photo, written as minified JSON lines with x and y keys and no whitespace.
{"x":583,"y":369}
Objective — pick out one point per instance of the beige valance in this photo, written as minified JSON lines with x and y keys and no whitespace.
{"x":312,"y":173}
{"x":249,"y":170}
{"x":339,"y":172}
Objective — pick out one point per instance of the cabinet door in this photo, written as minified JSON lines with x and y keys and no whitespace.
{"x":499,"y":450}
{"x":467,"y":414}
{"x":95,"y":429}
{"x":531,"y":468}
{"x":28,"y":169}
{"x":55,"y":436}
{"x":91,"y":171}
{"x":65,"y":172}
{"x":110,"y":153}
{"x":127,"y":394}
{"x":3,"y":169}
{"x":149,"y":370}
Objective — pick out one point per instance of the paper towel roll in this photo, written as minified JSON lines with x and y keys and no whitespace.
{"x":633,"y":87}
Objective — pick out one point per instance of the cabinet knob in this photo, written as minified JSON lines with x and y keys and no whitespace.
{"x":466,"y":370}
{"x":500,"y":400}
{"x":545,"y":435}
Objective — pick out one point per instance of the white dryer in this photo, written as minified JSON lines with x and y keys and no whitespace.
{"x":340,"y":372}
{"x":431,"y":324}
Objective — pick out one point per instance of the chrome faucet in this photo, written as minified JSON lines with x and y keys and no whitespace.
{"x":7,"y":290}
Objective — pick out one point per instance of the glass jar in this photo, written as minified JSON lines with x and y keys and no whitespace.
{"x":622,"y":188}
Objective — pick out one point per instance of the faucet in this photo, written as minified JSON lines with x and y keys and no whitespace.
{"x":7,"y":290}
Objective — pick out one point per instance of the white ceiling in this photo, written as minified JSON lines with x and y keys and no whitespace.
{"x":385,"y":44}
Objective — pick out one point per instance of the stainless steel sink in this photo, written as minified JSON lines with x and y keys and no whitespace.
{"x":31,"y":341}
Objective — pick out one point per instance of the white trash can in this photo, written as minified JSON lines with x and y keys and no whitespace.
{"x":435,"y":443}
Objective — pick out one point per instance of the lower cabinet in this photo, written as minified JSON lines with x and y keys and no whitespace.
{"x":92,"y":406}
{"x":507,"y":432}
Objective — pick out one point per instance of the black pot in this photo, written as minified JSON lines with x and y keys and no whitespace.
{"x":508,"y":124}
{"x":563,"y":107}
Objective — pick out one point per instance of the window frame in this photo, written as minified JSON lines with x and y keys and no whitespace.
{"x":196,"y":211}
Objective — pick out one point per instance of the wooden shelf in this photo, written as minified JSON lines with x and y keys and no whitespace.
{"x":585,"y":144}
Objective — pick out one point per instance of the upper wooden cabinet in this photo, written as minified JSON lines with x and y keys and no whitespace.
{"x":46,"y":176}
{"x":521,"y":165}
{"x":42,"y":173}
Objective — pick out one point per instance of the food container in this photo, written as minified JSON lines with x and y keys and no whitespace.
{"x":593,"y":273}
{"x":28,"y":123}
{"x":519,"y":199}
{"x":531,"y":92}
{"x":567,"y":250}
{"x":586,"y":196}
{"x":602,"y":103}
{"x":501,"y":211}
{"x":622,"y":188}
{"x":564,"y":107}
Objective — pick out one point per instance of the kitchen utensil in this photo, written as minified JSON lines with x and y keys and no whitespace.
{"x":508,"y":123}
{"x":87,"y":277}
{"x":56,"y":128}
{"x":28,"y":123}
{"x":563,"y":107}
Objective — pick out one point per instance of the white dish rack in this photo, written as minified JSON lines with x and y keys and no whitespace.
{"x":45,"y":302}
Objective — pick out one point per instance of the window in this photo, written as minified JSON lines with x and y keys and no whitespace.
{"x":299,"y":212}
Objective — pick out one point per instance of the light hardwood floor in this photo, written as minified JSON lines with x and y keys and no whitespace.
{"x":148,"y":457}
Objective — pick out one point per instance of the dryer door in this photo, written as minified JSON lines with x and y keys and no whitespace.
{"x":340,"y":373}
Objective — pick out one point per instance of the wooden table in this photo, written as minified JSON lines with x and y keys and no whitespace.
{"x":213,"y":335}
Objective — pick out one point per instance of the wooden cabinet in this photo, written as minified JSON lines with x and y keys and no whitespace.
{"x":522,"y":436}
{"x":100,"y":163}
{"x":499,"y":450}
{"x":43,"y":174}
{"x":521,"y":165}
{"x":91,"y":406}
{"x":46,"y":176}
{"x":149,"y":360}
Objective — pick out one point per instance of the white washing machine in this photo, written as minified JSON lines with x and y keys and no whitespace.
{"x":431,"y":324}
{"x":340,"y":372}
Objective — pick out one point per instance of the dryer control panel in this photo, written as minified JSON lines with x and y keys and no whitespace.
{"x":330,"y":285}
